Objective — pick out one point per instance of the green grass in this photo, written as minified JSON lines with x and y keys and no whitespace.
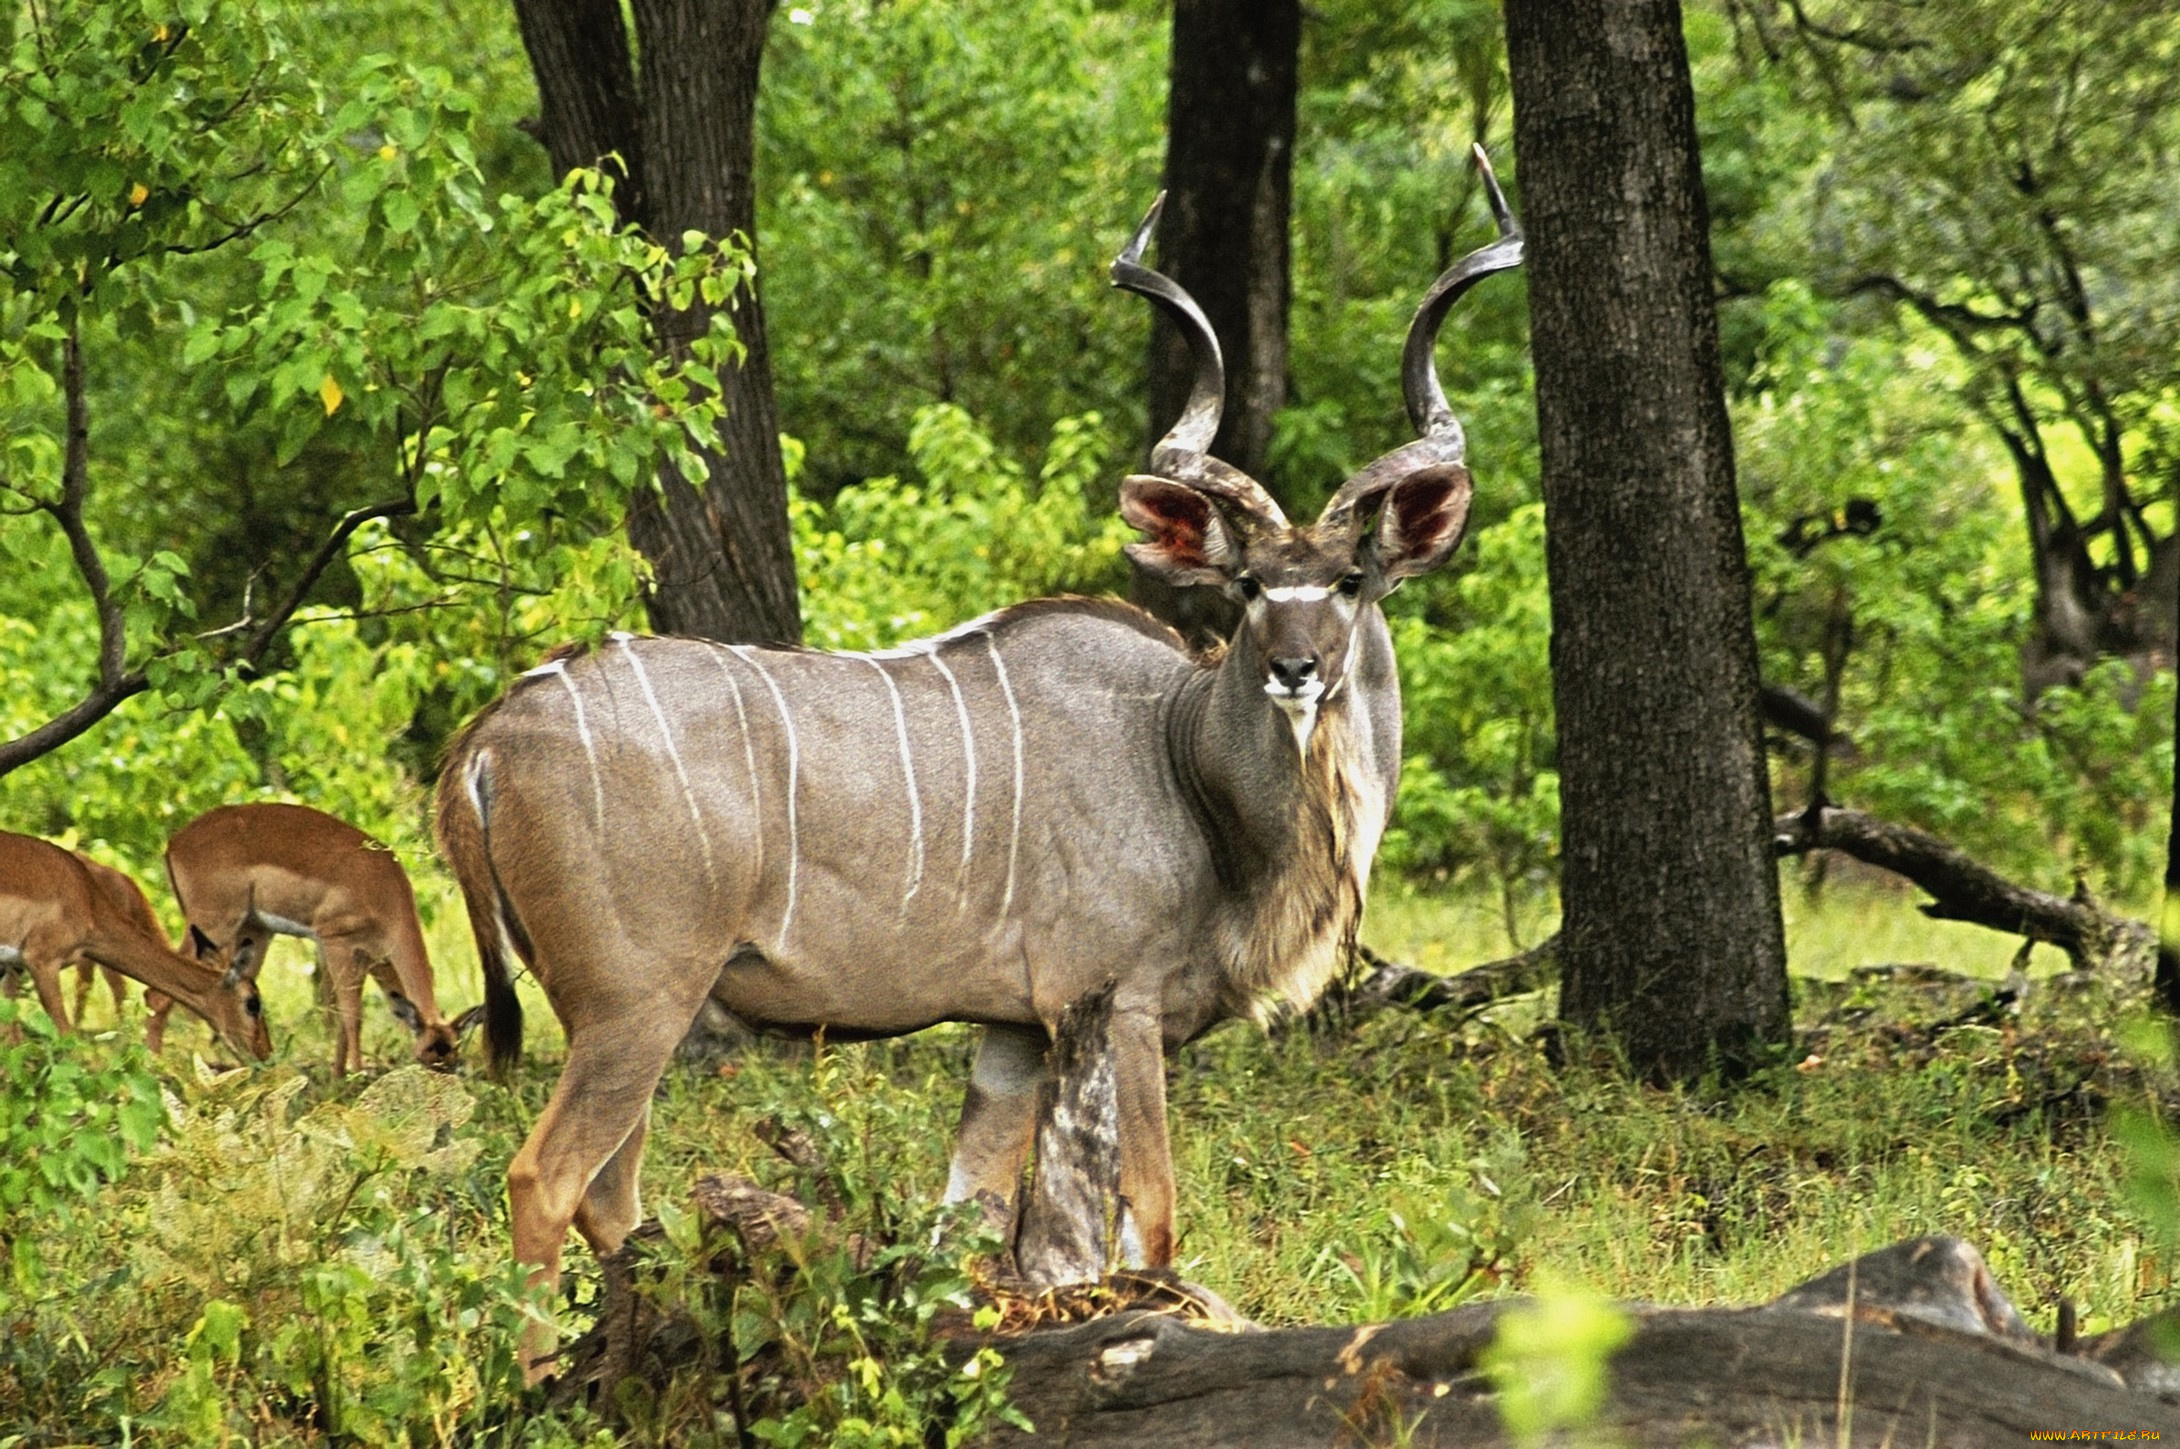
{"x":1332,"y":1180}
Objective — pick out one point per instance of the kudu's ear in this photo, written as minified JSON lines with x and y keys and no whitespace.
{"x":1187,"y":541}
{"x":1422,"y":520}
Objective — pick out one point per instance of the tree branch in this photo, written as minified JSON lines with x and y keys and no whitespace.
{"x":260,"y":639}
{"x":114,"y":681}
{"x":1964,"y":889}
{"x":1389,"y":983}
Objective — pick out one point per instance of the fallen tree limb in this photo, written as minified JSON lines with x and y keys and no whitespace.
{"x":1964,"y":889}
{"x":1961,"y":889}
{"x":1386,"y":982}
{"x":1934,"y":1355}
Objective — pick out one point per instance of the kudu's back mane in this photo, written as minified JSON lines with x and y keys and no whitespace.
{"x":1001,"y":622}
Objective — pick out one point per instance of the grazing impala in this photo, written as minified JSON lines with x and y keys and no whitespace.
{"x":120,"y":888}
{"x":979,"y":827}
{"x":246,"y":873}
{"x":53,"y":915}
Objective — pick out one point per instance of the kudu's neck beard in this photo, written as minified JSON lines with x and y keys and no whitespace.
{"x":1292,"y":826}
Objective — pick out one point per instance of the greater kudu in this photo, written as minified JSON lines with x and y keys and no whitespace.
{"x":978,"y":827}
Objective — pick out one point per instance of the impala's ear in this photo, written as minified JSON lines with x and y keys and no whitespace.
{"x":1422,"y":520}
{"x":405,"y":1012}
{"x":1188,"y":542}
{"x":248,"y":958}
{"x":200,"y":945}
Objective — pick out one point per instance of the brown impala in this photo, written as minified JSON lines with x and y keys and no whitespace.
{"x":246,"y":873}
{"x":979,"y":827}
{"x":54,"y":914}
{"x":120,"y":888}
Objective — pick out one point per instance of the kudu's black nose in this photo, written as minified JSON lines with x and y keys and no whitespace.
{"x":1294,"y":673}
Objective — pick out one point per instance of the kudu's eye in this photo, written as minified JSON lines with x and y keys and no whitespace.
{"x":1248,"y":586}
{"x":252,"y":1007}
{"x":1352,"y":584}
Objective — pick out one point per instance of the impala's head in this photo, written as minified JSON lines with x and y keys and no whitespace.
{"x":438,"y":1043}
{"x":1302,"y":589}
{"x":235,"y":1009}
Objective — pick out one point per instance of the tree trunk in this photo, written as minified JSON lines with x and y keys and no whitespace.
{"x":1223,"y":237}
{"x":684,"y":124}
{"x":2168,"y":933}
{"x":1671,"y":937}
{"x":1229,"y":188}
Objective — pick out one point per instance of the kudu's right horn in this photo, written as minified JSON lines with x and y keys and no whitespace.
{"x":1183,"y":455}
{"x":1442,"y":444}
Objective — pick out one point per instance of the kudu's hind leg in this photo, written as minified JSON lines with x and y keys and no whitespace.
{"x":579,"y":1166}
{"x":613,"y":1205}
{"x":1146,"y":1161}
{"x":998,"y":1118}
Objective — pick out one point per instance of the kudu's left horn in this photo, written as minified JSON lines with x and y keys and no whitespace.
{"x":1442,"y":443}
{"x":1183,"y":455}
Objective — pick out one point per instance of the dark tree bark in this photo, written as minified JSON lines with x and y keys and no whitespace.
{"x":1223,"y":237}
{"x":683,"y":124}
{"x":1671,"y":937}
{"x":1229,"y":189}
{"x":2168,"y":934}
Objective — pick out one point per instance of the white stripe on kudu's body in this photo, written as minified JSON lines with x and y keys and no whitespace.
{"x":749,"y":755}
{"x":681,"y":771}
{"x":794,"y":785}
{"x":908,"y":776}
{"x":1014,"y":718}
{"x":968,"y":788}
{"x":1193,"y":833}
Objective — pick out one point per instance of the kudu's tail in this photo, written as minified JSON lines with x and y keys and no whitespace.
{"x":464,"y":825}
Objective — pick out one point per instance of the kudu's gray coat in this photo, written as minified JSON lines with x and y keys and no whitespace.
{"x":979,"y":827}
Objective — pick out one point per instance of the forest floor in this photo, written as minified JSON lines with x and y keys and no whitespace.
{"x":1408,"y":1162}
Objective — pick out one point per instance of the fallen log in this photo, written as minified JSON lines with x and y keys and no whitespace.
{"x":1384,"y":982}
{"x":2119,"y":948}
{"x":1964,"y":889}
{"x":1914,"y":1344}
{"x":1929,"y":1353}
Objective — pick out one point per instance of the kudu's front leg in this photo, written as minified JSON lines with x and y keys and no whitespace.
{"x":998,"y":1119}
{"x":1146,"y":1161}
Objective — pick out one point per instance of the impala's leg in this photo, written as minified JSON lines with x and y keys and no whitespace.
{"x":86,"y":974}
{"x":998,"y":1117}
{"x":583,"y":1155}
{"x":155,"y":1025}
{"x":116,"y":984}
{"x":342,"y":965}
{"x":1146,"y":1163}
{"x":46,"y":977}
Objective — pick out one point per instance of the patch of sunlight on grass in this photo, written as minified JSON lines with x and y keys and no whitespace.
{"x":1869,"y":925}
{"x":1449,"y":930}
{"x":1851,"y":925}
